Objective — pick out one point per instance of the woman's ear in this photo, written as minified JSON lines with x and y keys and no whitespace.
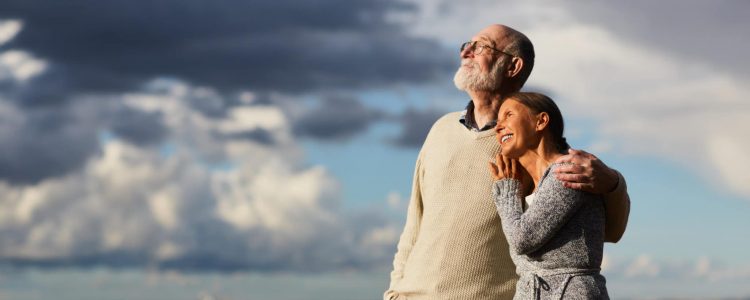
{"x":542,"y":120}
{"x":516,"y":64}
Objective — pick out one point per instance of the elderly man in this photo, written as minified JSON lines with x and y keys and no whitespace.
{"x":452,"y":246}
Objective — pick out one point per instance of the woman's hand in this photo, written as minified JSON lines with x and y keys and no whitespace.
{"x":505,"y":168}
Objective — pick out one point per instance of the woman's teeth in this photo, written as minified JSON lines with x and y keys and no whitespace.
{"x":505,"y":138}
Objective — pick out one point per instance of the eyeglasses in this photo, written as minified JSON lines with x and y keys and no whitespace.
{"x":477,"y":48}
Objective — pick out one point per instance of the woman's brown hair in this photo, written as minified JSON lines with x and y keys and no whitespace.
{"x":538,"y":103}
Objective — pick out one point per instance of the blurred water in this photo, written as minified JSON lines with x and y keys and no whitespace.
{"x":106,"y":284}
{"x":136,"y":284}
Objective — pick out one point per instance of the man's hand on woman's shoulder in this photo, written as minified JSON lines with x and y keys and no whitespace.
{"x":584,"y":171}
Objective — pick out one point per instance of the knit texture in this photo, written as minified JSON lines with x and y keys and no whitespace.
{"x":557,"y":243}
{"x":452,"y":246}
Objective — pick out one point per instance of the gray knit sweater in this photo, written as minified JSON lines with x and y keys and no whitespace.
{"x":557,"y":243}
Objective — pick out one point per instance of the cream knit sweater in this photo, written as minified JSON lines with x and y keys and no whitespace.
{"x":452,"y":246}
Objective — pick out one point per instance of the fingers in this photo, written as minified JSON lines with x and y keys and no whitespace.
{"x":570,"y":169}
{"x":573,"y":178}
{"x":565,"y":159}
{"x":506,"y":167}
{"x":568,"y":158}
{"x":500,"y":163}
{"x":578,"y":152}
{"x":584,"y":171}
{"x":583,"y":153}
{"x":571,"y":159}
{"x":494,"y":171}
{"x":575,"y":156}
{"x":578,"y":186}
{"x":496,"y":167}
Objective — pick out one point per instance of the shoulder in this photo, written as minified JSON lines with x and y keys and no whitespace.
{"x":451,"y":118}
{"x":445,"y":123}
{"x":441,"y":128}
{"x":550,"y":181}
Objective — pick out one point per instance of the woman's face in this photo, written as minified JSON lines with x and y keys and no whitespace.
{"x":515,"y":128}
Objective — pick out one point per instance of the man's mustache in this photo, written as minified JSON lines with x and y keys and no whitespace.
{"x":469,"y":63}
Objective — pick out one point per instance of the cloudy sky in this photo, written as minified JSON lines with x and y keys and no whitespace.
{"x":264,"y":149}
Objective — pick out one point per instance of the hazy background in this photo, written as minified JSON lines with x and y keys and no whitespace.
{"x":184,"y":149}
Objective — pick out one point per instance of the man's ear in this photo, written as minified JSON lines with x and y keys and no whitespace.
{"x":542,"y":120}
{"x":516,"y":64}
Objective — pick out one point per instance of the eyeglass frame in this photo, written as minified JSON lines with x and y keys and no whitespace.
{"x":474,"y":45}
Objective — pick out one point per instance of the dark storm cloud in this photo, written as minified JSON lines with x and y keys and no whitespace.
{"x":47,"y":143}
{"x":701,"y":31}
{"x":336,"y":118}
{"x":290,"y":46}
{"x":415,"y":126}
{"x":257,"y":135}
{"x":53,"y":141}
{"x":138,"y":127}
{"x":100,"y":49}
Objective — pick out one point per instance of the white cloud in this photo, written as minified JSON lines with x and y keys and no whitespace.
{"x":642,"y":266}
{"x":394,"y":200}
{"x":246,"y":118}
{"x":606,"y":263}
{"x":730,"y":155}
{"x":9,"y":29}
{"x":669,"y":278}
{"x":702,"y":267}
{"x":15,"y":64}
{"x":163,"y":204}
{"x":20,"y":66}
{"x":210,"y":197}
{"x":648,"y":267}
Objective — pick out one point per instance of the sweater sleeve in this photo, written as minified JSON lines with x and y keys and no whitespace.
{"x":617,"y":206}
{"x":553,"y":206}
{"x":411,"y":228}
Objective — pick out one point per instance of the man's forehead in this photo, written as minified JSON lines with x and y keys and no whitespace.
{"x":483,"y":38}
{"x":491,"y":34}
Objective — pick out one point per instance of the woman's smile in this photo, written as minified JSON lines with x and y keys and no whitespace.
{"x":505,"y":138}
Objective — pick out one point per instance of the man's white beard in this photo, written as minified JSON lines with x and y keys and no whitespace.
{"x":472,"y":78}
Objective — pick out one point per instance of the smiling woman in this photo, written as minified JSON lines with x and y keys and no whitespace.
{"x":557,"y":242}
{"x":529,"y":103}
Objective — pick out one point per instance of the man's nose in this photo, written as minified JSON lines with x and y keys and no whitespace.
{"x":467,"y":52}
